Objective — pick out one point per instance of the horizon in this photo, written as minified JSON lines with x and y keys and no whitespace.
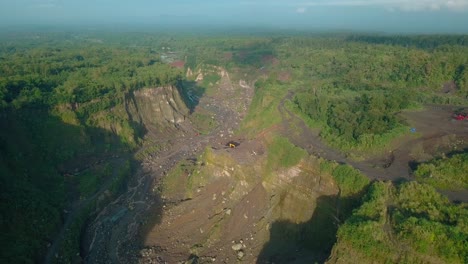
{"x":380,"y":16}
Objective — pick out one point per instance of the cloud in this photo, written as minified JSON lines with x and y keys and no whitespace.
{"x":405,"y":5}
{"x":301,"y":10}
{"x":432,"y":5}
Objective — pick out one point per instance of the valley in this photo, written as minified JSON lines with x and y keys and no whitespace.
{"x":186,"y":144}
{"x":247,"y":149}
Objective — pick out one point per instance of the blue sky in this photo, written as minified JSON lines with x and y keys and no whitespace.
{"x":376,"y":15}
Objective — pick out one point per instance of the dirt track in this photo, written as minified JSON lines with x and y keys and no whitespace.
{"x":438,"y":133}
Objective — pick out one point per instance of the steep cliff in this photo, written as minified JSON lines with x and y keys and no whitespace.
{"x":153,"y":111}
{"x":156,"y":109}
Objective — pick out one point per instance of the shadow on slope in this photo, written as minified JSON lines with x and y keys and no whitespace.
{"x":307,"y":242}
{"x":52,"y":175}
{"x":312,"y":241}
{"x":191,"y":93}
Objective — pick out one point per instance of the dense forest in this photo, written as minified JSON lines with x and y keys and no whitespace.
{"x":62,"y":106}
{"x":53,"y":92}
{"x":370,"y":84}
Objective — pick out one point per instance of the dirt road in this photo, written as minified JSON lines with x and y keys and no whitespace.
{"x":439,"y":134}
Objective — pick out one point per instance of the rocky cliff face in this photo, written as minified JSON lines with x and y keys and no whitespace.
{"x":156,"y":109}
{"x":231,"y":213}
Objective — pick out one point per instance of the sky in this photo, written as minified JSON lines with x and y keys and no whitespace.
{"x":403,"y":16}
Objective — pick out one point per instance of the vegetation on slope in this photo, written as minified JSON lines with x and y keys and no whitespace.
{"x":283,"y":154}
{"x":61,"y":105}
{"x":263,"y":112}
{"x":356,"y":121}
{"x":410,"y":223}
{"x":445,"y":173}
{"x":350,"y":180}
{"x":353,"y":90}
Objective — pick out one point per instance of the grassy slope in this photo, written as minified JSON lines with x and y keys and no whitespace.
{"x":411,"y":223}
{"x":450,"y":173}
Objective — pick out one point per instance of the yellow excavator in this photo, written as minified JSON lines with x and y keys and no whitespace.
{"x":232,"y":144}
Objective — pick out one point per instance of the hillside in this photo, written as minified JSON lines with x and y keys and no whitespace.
{"x":71,"y":118}
{"x":166,"y":148}
{"x":410,"y":223}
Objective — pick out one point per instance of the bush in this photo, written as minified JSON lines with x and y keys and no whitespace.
{"x":445,"y":173}
{"x":350,"y":180}
{"x":410,"y":224}
{"x":283,"y":154}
